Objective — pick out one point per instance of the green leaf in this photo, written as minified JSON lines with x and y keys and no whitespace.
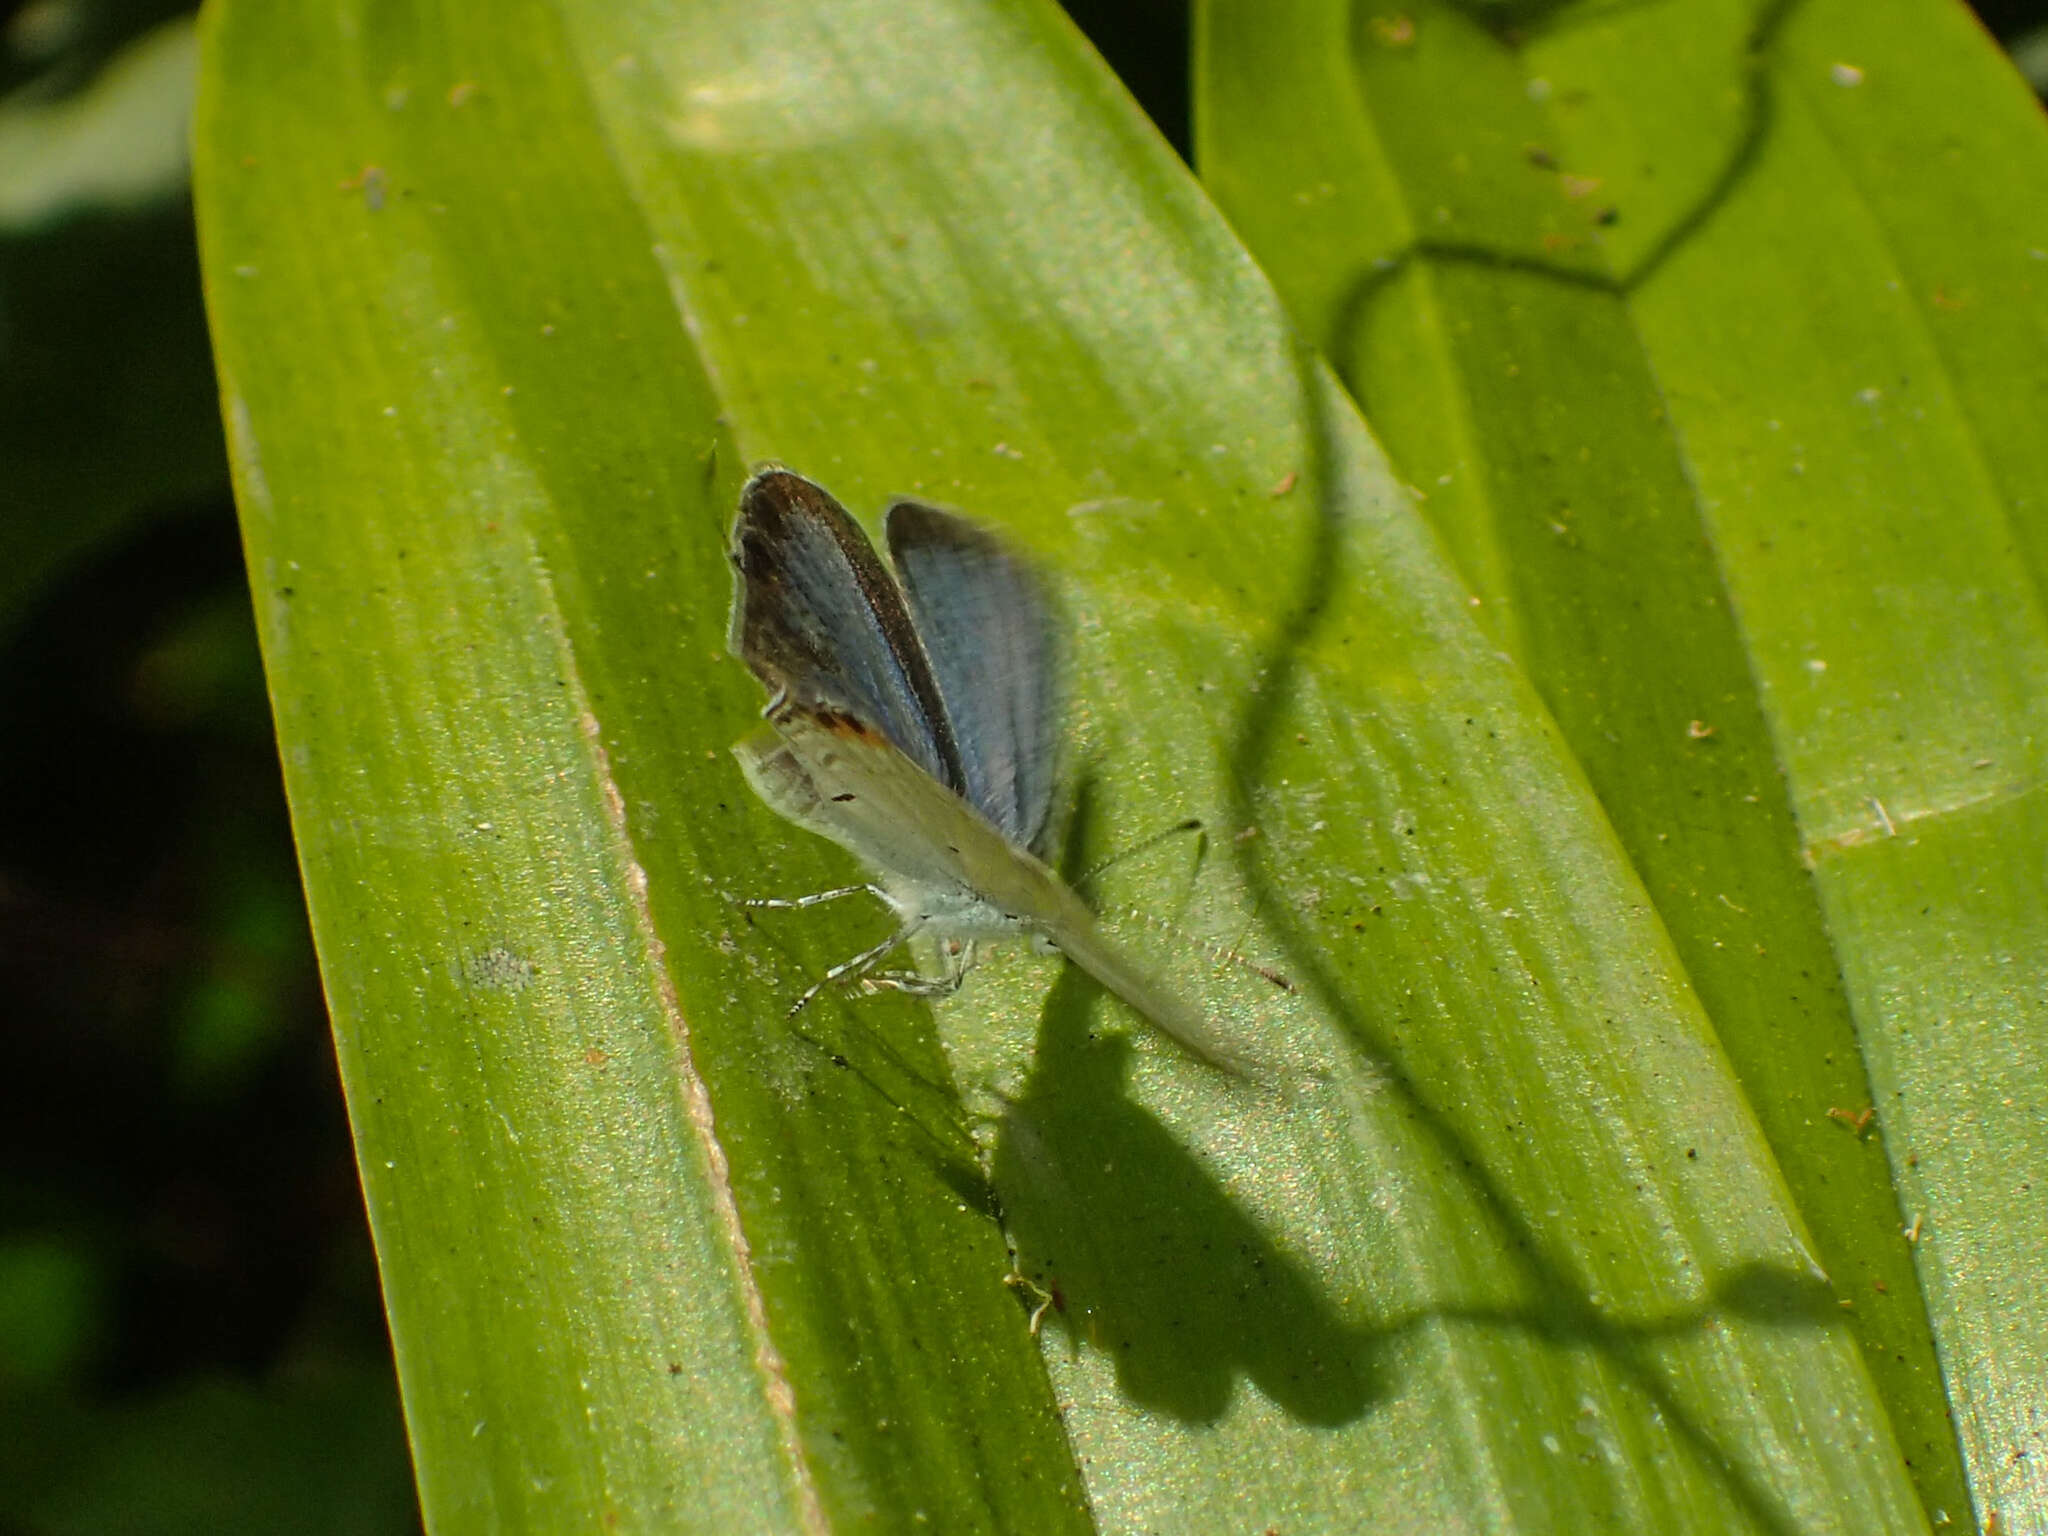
{"x":504,"y":309}
{"x":1722,"y":375}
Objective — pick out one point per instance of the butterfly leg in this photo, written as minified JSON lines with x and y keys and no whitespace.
{"x":853,"y":969}
{"x":915,"y":983}
{"x":958,"y":959}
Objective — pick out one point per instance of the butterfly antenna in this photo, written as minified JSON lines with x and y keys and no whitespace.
{"x":1192,"y":824}
{"x":1222,"y":953}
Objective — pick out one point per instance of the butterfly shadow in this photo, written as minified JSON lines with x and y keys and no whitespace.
{"x":1127,"y":1243}
{"x":1135,"y":1249}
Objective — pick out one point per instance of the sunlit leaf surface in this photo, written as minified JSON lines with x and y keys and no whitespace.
{"x":506,"y":306}
{"x":1714,"y":336}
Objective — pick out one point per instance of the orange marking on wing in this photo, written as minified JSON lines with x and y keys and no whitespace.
{"x":839,"y":723}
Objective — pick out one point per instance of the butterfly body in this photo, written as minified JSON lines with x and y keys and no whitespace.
{"x":958,"y":877}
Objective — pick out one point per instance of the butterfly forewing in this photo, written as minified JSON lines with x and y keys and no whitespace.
{"x":822,"y":623}
{"x":982,"y":617}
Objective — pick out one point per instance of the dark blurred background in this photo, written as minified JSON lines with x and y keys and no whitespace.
{"x":190,"y":1332}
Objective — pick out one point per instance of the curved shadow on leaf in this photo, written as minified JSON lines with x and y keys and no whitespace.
{"x":1513,"y":25}
{"x":1132,"y":1246}
{"x":1562,"y":1309}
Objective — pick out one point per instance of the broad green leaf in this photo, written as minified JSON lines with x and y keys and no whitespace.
{"x":1714,"y":335}
{"x":505,"y":306}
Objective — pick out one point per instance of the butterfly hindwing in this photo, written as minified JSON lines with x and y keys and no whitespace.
{"x":983,"y":620}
